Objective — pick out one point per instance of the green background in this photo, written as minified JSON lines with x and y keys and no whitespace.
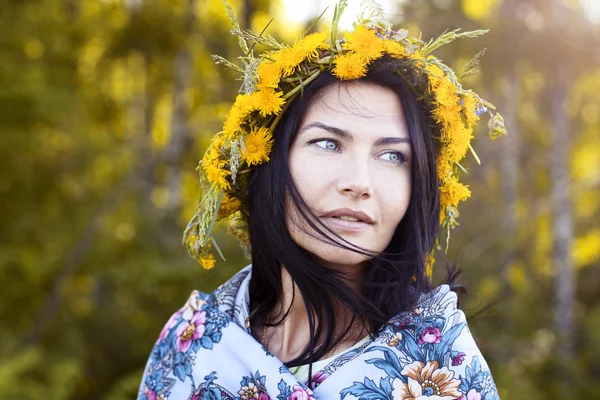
{"x":106,"y":107}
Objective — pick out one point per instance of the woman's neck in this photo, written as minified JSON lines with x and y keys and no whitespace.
{"x":287,"y":340}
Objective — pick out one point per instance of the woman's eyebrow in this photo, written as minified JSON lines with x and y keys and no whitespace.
{"x":383,"y":141}
{"x":332,"y":129}
{"x":391,"y":140}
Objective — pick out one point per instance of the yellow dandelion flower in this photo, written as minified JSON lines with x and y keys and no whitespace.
{"x":258,"y":146}
{"x":212,"y":155}
{"x":309,"y":46}
{"x":449,"y":118}
{"x":237,"y":115}
{"x":232,"y":122}
{"x":452,"y":192}
{"x":469,"y":105}
{"x":445,"y":93}
{"x":416,"y":55}
{"x":365,"y":43}
{"x":394,"y":49}
{"x":350,"y":66}
{"x":229,"y":205}
{"x":444,"y":165}
{"x":435,"y":76}
{"x":288,"y":59}
{"x":207,"y":261}
{"x":243,"y":103}
{"x":267,"y":101}
{"x":269,"y":74}
{"x":217,"y":175}
{"x":458,"y":145}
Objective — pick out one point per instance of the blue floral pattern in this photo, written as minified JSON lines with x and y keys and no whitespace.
{"x":205,"y":351}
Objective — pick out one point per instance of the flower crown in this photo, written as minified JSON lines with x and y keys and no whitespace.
{"x":273,"y":79}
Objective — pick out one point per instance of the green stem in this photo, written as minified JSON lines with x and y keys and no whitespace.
{"x":474,"y":154}
{"x":297,"y":88}
{"x":216,"y":246}
{"x":461,"y":167}
{"x":324,"y":60}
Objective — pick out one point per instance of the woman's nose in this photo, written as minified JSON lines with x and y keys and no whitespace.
{"x":355,"y":180}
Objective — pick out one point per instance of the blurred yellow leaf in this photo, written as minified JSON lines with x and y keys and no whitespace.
{"x":517,"y":278}
{"x":161,"y":126}
{"x":160,"y":196}
{"x":586,"y":249}
{"x":543,"y":244}
{"x":479,"y":9}
{"x":34,"y":48}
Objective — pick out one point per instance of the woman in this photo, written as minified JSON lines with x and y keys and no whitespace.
{"x":334,"y":169}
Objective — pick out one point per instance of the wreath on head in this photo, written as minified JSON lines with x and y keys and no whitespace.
{"x":273,"y":79}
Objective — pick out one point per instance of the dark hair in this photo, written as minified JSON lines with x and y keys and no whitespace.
{"x":394,"y":279}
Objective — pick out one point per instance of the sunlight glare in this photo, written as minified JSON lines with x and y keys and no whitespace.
{"x":592,"y":10}
{"x":301,"y":11}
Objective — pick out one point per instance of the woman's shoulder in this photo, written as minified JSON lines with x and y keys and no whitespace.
{"x":227,"y":291}
{"x":437,"y":320}
{"x":433,"y":336}
{"x":439,"y":302}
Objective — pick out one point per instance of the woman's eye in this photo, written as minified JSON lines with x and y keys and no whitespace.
{"x":393,"y":156}
{"x":327,"y":144}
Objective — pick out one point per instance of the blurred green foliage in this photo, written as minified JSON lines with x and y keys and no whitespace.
{"x":105,"y":108}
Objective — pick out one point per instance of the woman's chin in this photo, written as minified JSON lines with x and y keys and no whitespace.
{"x":335,"y":257}
{"x":330,"y":255}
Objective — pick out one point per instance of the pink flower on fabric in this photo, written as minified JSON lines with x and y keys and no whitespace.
{"x":150,"y":394}
{"x":404,"y":323}
{"x":457,"y":358}
{"x":430,"y":335}
{"x":301,"y":393}
{"x":472,"y":395}
{"x":319,"y":377}
{"x":169,"y":325}
{"x":190,"y":331}
{"x":263,"y":396}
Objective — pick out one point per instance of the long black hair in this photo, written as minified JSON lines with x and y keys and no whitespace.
{"x":393,"y":280}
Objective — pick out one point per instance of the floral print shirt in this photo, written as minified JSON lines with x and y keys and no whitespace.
{"x":206,"y":352}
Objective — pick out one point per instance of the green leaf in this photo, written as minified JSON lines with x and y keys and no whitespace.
{"x":449,"y":37}
{"x":469,"y":69}
{"x":337,"y":13}
{"x":223,"y":61}
{"x":235,"y":25}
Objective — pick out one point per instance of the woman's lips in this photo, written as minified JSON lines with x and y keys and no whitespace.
{"x":342,"y":224}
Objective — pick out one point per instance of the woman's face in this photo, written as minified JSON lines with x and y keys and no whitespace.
{"x":351,"y":161}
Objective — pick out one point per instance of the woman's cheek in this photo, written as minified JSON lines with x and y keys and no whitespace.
{"x":393,"y":197}
{"x":309,"y":176}
{"x":318,"y":167}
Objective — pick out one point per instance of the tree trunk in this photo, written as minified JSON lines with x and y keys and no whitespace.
{"x":179,"y":124}
{"x":146,"y":103}
{"x":248,"y":8}
{"x":509,"y":162}
{"x":562,"y":223}
{"x":509,"y":167}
